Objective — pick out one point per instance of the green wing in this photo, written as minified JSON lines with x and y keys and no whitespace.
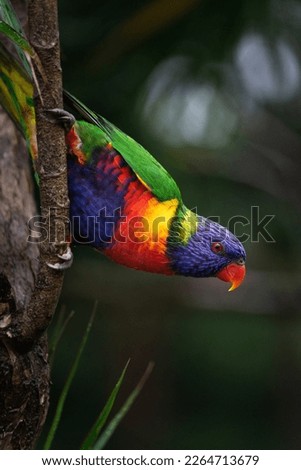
{"x":146,"y":167}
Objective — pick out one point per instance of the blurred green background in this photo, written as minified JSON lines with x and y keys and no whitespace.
{"x":212,"y":89}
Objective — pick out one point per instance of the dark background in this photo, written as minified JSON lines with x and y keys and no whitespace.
{"x":212,"y":89}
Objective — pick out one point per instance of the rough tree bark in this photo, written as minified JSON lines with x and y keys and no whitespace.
{"x":29,"y":289}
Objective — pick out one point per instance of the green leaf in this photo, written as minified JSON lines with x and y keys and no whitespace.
{"x":110,"y":429}
{"x":16,"y":37}
{"x":66,"y":388}
{"x":8,"y":15}
{"x":104,"y":414}
{"x":11,"y":28}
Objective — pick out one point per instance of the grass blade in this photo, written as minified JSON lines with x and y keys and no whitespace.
{"x":66,"y":388}
{"x":105,"y":436}
{"x":104,"y":414}
{"x":59,"y":330}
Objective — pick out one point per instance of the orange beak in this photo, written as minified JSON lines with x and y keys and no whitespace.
{"x":234,"y":273}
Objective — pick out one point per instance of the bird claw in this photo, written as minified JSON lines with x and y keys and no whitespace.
{"x":67,"y":259}
{"x":62,"y":116}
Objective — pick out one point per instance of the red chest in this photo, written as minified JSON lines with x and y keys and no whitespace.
{"x":141,"y":236}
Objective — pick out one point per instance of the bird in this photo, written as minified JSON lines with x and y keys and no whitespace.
{"x":123,"y":202}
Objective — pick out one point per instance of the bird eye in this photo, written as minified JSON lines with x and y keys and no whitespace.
{"x":217,"y":247}
{"x":241,"y":261}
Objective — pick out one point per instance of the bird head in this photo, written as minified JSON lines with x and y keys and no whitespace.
{"x":212,"y":250}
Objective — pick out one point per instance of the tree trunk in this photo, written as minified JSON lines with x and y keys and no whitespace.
{"x":24,"y":376}
{"x":29,"y":288}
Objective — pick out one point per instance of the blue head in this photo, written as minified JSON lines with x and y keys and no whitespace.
{"x":212,"y":250}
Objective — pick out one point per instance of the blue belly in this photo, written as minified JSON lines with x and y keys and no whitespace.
{"x":96,"y":199}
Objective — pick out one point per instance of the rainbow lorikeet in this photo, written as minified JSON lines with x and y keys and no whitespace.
{"x":122,"y":201}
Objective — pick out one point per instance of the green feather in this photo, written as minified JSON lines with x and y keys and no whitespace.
{"x":144,"y":165}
